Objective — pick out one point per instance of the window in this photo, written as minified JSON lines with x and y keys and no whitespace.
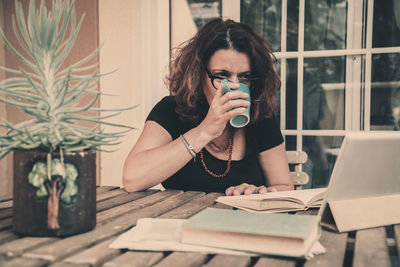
{"x":339,"y":64}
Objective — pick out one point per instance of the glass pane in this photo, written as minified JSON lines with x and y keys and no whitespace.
{"x":291,"y":94}
{"x":385,"y":92}
{"x":292,"y":26}
{"x":290,"y":145}
{"x":386,"y":26}
{"x":325,"y":24}
{"x":204,"y":10}
{"x":290,"y":142}
{"x":189,"y":15}
{"x":264,"y":16}
{"x":322,"y":152}
{"x":323,"y":93}
{"x":277,"y":112}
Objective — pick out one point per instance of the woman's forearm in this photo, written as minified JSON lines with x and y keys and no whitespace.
{"x":282,"y":187}
{"x":150,"y":167}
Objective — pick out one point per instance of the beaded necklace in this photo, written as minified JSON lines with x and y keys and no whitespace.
{"x":228,"y":167}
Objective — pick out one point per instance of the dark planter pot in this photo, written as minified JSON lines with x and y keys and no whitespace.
{"x":61,"y":206}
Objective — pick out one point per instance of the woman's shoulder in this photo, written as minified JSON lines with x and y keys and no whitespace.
{"x":267,"y":122}
{"x":165,"y":115}
{"x":166,"y":106}
{"x":167,"y":102}
{"x":267,"y":133}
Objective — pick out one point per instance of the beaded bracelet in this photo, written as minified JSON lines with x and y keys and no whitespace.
{"x":189,"y":147}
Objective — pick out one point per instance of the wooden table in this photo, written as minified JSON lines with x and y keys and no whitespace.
{"x":119,"y":211}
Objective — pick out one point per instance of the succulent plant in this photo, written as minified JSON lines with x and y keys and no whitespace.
{"x":50,"y":92}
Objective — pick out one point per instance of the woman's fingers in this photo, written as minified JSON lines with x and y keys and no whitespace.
{"x":233,"y":95}
{"x":223,"y":107}
{"x":244,"y":188}
{"x":238,"y":190}
{"x":233,"y":113}
{"x":229,"y":109}
{"x":235,"y":190}
{"x":235,"y":103}
{"x":272,"y":189}
{"x":220,"y":92}
{"x":250,"y":190}
{"x":262,"y":189}
{"x":229,"y":191}
{"x":247,"y":189}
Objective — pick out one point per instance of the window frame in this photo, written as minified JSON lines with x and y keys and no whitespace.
{"x":358,"y":59}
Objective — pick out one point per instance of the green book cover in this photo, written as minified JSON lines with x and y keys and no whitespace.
{"x":238,"y":221}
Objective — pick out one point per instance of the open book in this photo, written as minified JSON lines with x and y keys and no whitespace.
{"x":282,"y":201}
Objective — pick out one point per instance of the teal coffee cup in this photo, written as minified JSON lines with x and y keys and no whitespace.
{"x":242,"y":119}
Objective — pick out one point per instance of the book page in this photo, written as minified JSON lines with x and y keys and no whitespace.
{"x":284,"y":200}
{"x":151,"y":229}
{"x":155,"y":234}
{"x":269,"y":204}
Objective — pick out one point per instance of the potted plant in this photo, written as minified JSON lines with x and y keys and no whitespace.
{"x":55,"y":149}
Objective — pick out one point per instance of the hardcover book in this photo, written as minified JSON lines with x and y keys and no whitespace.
{"x":282,"y":201}
{"x":276,"y":234}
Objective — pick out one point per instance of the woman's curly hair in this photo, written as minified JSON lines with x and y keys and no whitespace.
{"x":187,"y":74}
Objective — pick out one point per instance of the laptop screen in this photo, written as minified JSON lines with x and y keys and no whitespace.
{"x":368,"y":164}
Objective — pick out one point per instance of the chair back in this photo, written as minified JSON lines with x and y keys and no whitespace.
{"x":296,"y":159}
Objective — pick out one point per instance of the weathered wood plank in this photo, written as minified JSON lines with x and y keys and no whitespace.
{"x":67,"y":264}
{"x":122,"y":199}
{"x":95,"y":255}
{"x":71,"y":245}
{"x":397,"y":238}
{"x":99,"y":253}
{"x":188,"y":209}
{"x":135,"y":259}
{"x":133,"y":205}
{"x":5,"y":223}
{"x":5,"y":198}
{"x":335,"y":245}
{"x":228,"y":261}
{"x":370,"y":248}
{"x":5,"y":213}
{"x":110,"y":194}
{"x":183,"y":259}
{"x":19,"y":246}
{"x":272,"y":261}
{"x":6,"y":236}
{"x":26,"y":262}
{"x":105,"y":188}
{"x":6,"y":204}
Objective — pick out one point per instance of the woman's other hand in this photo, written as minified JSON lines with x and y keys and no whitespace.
{"x":248,"y":189}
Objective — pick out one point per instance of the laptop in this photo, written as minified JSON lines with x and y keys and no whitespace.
{"x":364,"y":188}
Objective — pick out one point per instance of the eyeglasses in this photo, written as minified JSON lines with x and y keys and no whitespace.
{"x":215,"y":79}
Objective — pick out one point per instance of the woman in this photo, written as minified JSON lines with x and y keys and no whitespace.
{"x":187,"y":142}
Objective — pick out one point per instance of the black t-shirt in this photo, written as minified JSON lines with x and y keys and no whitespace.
{"x":259,"y":137}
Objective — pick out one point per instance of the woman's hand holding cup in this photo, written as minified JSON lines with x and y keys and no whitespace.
{"x":223,"y":108}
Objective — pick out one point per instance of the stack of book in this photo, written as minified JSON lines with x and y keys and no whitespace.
{"x":237,"y":232}
{"x":276,"y":234}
